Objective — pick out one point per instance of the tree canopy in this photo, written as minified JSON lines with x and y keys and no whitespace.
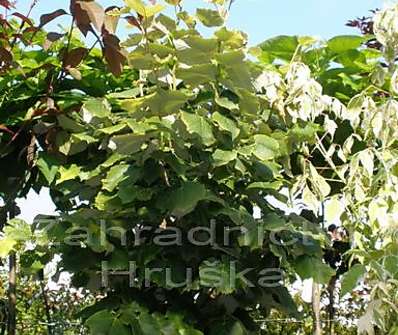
{"x":177,"y":161}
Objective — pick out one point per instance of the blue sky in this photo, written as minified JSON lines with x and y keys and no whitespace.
{"x":262,"y":19}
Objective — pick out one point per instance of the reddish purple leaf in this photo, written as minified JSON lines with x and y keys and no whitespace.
{"x":3,"y":128}
{"x":51,"y":38}
{"x":113,"y":54}
{"x":5,"y":56}
{"x":7,"y":4}
{"x":46,"y":18}
{"x":23,"y":18}
{"x":74,"y":57}
{"x":133,"y":21}
{"x":95,"y":13}
{"x":81,"y":17}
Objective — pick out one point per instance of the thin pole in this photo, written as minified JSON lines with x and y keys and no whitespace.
{"x":12,"y":284}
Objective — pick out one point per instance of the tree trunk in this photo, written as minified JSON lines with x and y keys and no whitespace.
{"x":46,"y":305}
{"x":316,"y":308}
{"x":331,"y":310}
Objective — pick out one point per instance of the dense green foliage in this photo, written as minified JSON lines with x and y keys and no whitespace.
{"x":148,"y":144}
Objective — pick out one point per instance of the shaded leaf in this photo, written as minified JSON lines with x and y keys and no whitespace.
{"x":351,"y":278}
{"x":118,"y":328}
{"x":184,"y":200}
{"x":312,"y":267}
{"x":100,"y":323}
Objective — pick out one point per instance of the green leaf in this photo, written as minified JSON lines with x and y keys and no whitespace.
{"x":351,"y":278}
{"x":233,"y":327}
{"x":82,"y":137}
{"x":95,"y":109}
{"x":333,"y":209}
{"x":319,"y":183}
{"x":390,"y":263}
{"x":128,"y":193}
{"x":312,"y":267}
{"x":140,"y":60}
{"x":189,"y":20}
{"x":227,"y":104}
{"x":210,"y":18}
{"x":127,"y":94}
{"x":237,"y":71}
{"x":145,"y":11}
{"x":127,"y":144}
{"x":274,"y":222}
{"x":100,"y":323}
{"x":69,"y":124}
{"x":149,"y":324}
{"x":184,"y":200}
{"x":48,"y":166}
{"x":68,"y":173}
{"x":310,"y":199}
{"x":114,"y":177}
{"x":118,"y":328}
{"x":248,"y":102}
{"x":265,"y":148}
{"x":343,"y":43}
{"x":282,"y":47}
{"x":222,"y":157}
{"x":226,"y":124}
{"x":203,"y":45}
{"x":276,"y":185}
{"x":113,"y":129}
{"x":68,"y":145}
{"x":233,"y":39}
{"x":366,"y":158}
{"x":165,"y":102}
{"x":18,"y":230}
{"x":197,"y":124}
{"x":217,"y":274}
{"x":197,"y":74}
{"x":6,"y":246}
{"x":252,"y":234}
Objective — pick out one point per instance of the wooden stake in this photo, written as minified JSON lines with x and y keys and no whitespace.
{"x":12,"y":285}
